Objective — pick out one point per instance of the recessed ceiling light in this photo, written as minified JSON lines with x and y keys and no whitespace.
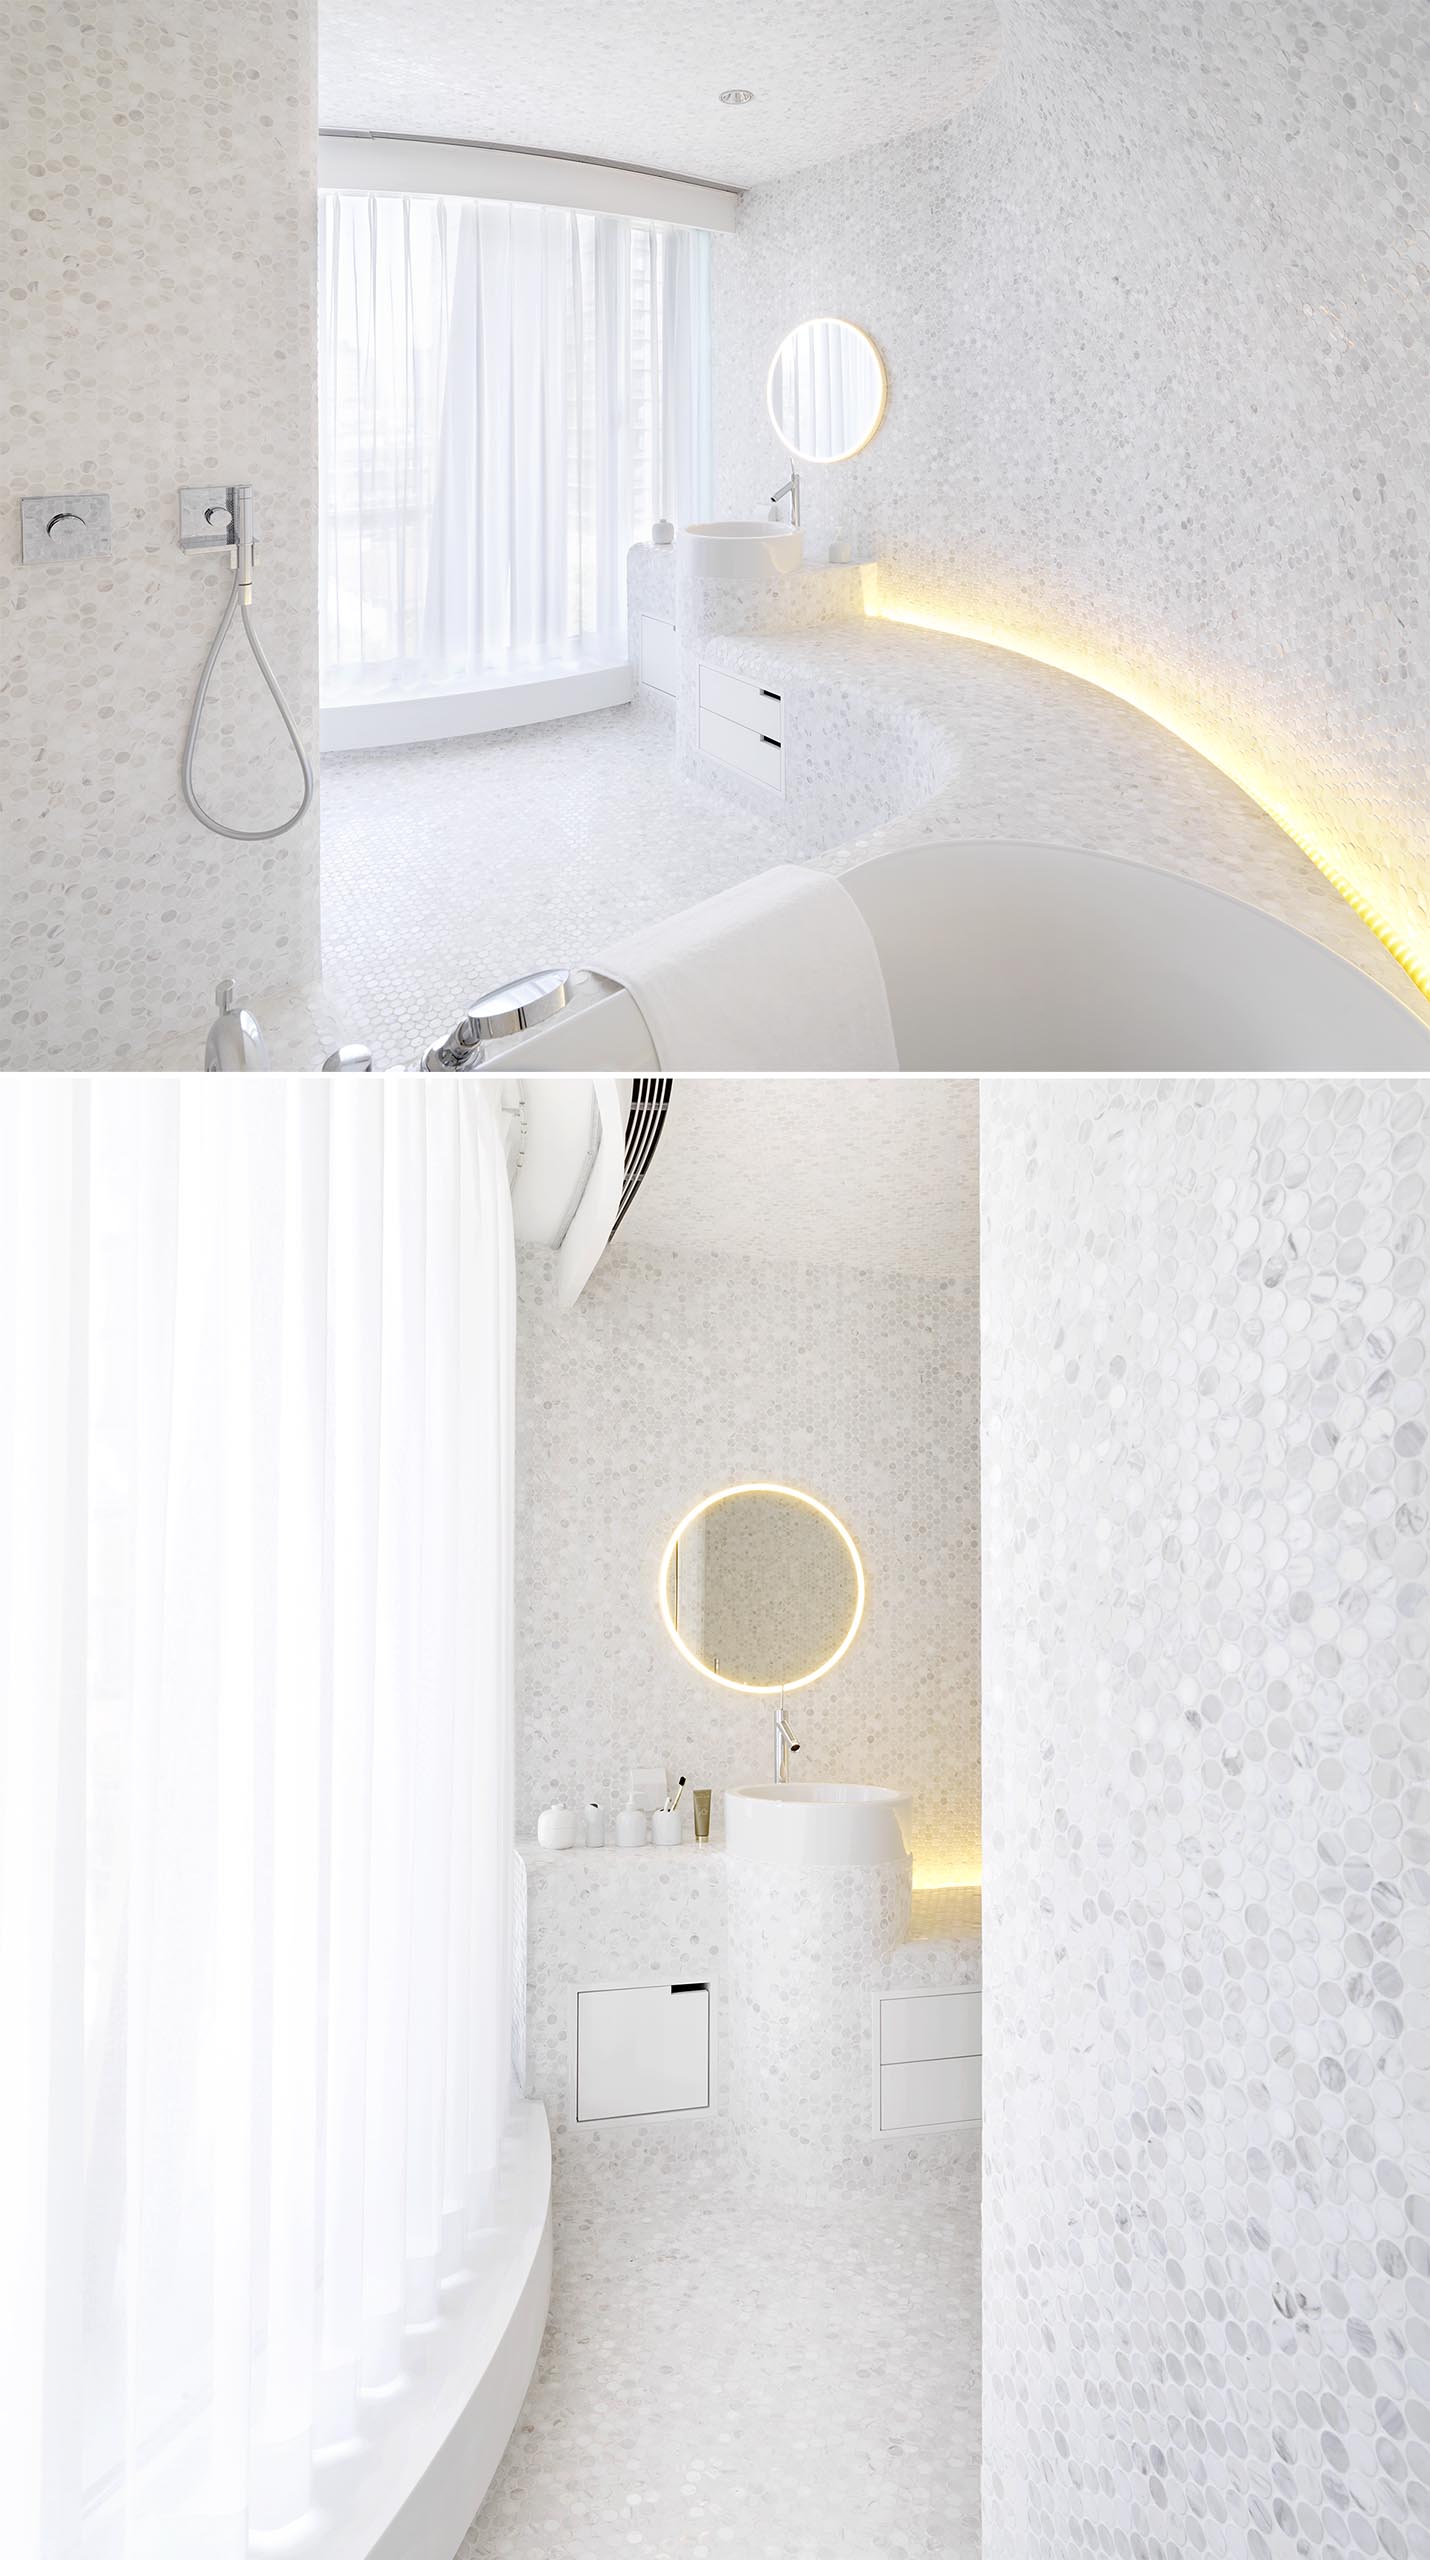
{"x":736,"y":97}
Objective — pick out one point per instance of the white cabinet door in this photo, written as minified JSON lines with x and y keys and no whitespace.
{"x":642,"y":2052}
{"x":931,"y":2026}
{"x":660,"y":659}
{"x":930,"y":2093}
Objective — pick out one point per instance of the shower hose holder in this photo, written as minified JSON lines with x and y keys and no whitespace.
{"x":222,"y":518}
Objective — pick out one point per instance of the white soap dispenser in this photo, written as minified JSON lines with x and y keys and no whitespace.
{"x":630,"y":1827}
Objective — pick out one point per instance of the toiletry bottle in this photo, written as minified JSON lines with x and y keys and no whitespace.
{"x":630,"y":1828}
{"x":595,"y":1826}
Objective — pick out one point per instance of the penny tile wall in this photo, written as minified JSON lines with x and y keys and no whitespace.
{"x":677,"y":1372}
{"x":1206,"y":1527}
{"x":1155,"y":315}
{"x":159,"y":177}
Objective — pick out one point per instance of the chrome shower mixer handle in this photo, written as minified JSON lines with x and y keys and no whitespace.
{"x":222,"y":520}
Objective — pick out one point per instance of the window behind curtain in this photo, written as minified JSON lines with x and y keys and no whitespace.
{"x":511,"y":395}
{"x":256,"y":1731}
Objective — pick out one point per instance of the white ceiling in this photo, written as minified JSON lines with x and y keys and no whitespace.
{"x":865,"y":1173}
{"x":639,"y":80}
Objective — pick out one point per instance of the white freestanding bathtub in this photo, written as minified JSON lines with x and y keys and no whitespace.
{"x":1040,"y":958}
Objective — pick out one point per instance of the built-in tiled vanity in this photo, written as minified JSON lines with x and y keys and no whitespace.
{"x":889,"y":735}
{"x":740,"y":724}
{"x":687,"y":2018}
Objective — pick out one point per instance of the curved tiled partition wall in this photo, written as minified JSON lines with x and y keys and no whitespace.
{"x":1206,"y":1760}
{"x":1156,"y":321}
{"x":161,"y":329}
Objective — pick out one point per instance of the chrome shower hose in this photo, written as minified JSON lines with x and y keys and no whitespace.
{"x":240,"y":600}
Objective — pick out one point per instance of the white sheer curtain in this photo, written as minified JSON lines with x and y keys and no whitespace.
{"x":255,"y":1779}
{"x":511,"y":395}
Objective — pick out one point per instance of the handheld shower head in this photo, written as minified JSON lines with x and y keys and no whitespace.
{"x":221,"y":520}
{"x":242,"y":521}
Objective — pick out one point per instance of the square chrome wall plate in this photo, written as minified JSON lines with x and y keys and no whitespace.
{"x":73,"y":528}
{"x":206,"y":518}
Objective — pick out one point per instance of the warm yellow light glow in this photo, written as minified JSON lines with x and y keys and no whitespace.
{"x":948,"y":1880}
{"x":1228,"y":757}
{"x":730,"y":1493}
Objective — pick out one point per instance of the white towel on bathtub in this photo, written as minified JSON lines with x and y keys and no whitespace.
{"x":779,"y":974}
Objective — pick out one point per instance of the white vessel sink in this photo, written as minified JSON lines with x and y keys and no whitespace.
{"x":811,"y":1826}
{"x":741,"y":550}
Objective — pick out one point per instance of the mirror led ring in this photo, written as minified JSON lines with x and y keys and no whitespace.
{"x":760,"y":1688}
{"x":828,"y":320}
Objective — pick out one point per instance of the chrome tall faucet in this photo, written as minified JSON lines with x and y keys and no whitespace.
{"x":790,"y":491}
{"x":785,"y":1743}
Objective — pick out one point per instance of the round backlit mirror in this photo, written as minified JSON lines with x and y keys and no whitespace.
{"x":761,"y":1587}
{"x":827,"y":390}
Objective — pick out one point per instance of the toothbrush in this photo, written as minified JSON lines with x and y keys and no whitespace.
{"x":672,"y":1803}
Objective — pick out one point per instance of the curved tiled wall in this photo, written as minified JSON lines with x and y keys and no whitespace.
{"x":1207,"y":1820}
{"x":161,"y":329}
{"x":1158,"y":334}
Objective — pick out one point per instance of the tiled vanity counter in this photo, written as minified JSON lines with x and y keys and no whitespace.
{"x":818,"y":1957}
{"x":944,"y":1948}
{"x":796,"y":1971}
{"x":671,"y":612}
{"x":650,"y":624}
{"x":896,"y":737}
{"x":891,"y":736}
{"x":590,"y":1918}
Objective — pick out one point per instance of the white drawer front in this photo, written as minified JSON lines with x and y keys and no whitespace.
{"x":729,"y":744}
{"x":748,"y":705}
{"x":929,"y":2093}
{"x":642,"y":2052}
{"x":931,"y":2028}
{"x":660,"y":659}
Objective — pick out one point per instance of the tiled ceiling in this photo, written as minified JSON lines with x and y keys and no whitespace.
{"x":639,"y":80}
{"x":865,"y":1173}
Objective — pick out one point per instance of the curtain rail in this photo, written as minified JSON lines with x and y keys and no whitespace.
{"x":515,"y":173}
{"x":524,"y":151}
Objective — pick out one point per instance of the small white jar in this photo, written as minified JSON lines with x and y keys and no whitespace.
{"x":630,"y":1827}
{"x":665,"y":1830}
{"x":556,"y":1827}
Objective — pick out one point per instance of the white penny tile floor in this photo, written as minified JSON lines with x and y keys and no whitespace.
{"x":449,"y":868}
{"x":758,"y":2381}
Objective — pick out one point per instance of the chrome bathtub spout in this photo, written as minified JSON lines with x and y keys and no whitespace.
{"x":458,"y":1053}
{"x":235,"y":1045}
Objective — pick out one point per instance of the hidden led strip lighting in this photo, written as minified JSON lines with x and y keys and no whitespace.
{"x":1226,"y":758}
